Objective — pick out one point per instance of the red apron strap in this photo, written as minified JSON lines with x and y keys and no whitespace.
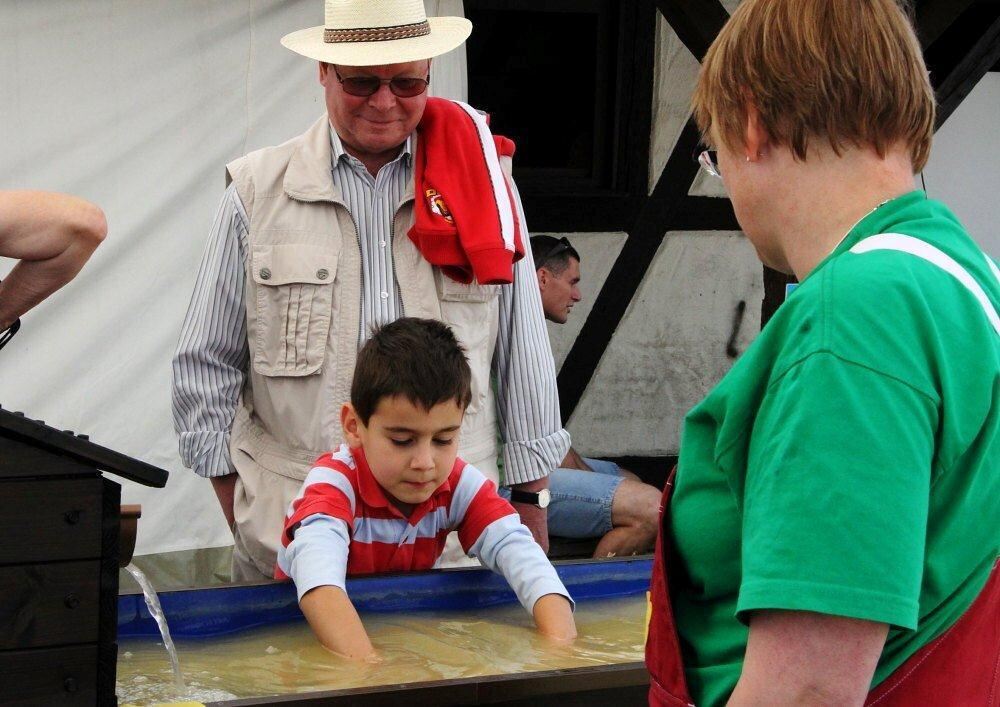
{"x":667,"y":685}
{"x":959,"y":667}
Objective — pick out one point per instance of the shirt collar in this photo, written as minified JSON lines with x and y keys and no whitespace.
{"x":878,"y":220}
{"x":374,"y":496}
{"x":337,"y":151}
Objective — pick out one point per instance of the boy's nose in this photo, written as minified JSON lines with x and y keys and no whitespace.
{"x":422,"y":458}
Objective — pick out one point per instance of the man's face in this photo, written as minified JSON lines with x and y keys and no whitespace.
{"x":410,"y":450}
{"x":374,"y":125}
{"x":560,"y":291}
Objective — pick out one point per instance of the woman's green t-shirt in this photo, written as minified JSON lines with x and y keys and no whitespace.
{"x":849,"y":463}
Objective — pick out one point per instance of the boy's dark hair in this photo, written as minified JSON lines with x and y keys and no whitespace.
{"x":552,"y":253}
{"x":419,"y":359}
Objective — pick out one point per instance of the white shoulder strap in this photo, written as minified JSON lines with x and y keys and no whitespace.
{"x":922,"y":249}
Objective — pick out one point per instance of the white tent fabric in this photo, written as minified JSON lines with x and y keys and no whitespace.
{"x":137,"y":107}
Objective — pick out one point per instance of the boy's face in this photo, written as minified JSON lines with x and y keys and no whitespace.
{"x":410,"y":450}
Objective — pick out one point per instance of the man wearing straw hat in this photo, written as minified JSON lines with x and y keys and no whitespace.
{"x":390,"y":204}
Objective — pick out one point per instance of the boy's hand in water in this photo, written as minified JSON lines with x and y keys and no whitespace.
{"x":336,"y":623}
{"x":554,"y":618}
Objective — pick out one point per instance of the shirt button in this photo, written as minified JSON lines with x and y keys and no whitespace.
{"x":265,"y":274}
{"x":322,"y":273}
{"x":385,"y":295}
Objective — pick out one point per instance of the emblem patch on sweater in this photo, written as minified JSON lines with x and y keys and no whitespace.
{"x":436,"y":203}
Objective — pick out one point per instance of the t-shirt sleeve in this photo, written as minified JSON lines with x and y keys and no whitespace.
{"x":835,"y":501}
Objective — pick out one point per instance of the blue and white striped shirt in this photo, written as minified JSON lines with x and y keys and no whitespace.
{"x":209,"y":367}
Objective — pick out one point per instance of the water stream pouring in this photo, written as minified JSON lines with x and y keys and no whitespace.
{"x":156,"y":611}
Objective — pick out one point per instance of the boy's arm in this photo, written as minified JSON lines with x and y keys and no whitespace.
{"x":316,"y":560}
{"x":507,"y":547}
{"x":554,"y":617}
{"x":335,"y":621}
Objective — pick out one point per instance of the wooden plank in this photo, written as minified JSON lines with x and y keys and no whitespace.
{"x":50,"y":520}
{"x":107,"y":630}
{"x":49,"y":605}
{"x":49,"y":677}
{"x":623,"y":684}
{"x":20,"y":459}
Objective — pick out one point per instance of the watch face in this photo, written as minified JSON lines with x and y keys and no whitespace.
{"x":544,"y":497}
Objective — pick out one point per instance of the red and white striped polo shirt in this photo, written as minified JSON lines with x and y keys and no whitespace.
{"x":341,"y":485}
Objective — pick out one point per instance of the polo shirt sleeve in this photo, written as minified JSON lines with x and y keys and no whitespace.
{"x":835,"y":497}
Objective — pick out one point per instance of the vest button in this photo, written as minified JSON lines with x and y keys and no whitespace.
{"x":322,"y":273}
{"x":265,"y":274}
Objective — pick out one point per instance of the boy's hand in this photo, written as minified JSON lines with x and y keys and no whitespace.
{"x":336,"y":623}
{"x":554,"y":618}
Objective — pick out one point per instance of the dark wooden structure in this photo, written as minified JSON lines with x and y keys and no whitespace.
{"x":59,"y":520}
{"x":961,"y":42}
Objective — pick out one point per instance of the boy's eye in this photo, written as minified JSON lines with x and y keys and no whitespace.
{"x":443,"y":442}
{"x":401,"y":442}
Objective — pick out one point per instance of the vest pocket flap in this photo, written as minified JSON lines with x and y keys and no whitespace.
{"x":451,"y":291}
{"x":274,"y":265}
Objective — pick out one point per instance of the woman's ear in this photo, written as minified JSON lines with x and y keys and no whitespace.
{"x":351,"y":424}
{"x":756,"y":138}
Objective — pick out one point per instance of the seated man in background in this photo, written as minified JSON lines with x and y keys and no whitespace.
{"x":53,"y":235}
{"x":611,"y":503}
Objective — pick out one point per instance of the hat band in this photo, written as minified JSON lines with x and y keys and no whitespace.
{"x":376,"y":34}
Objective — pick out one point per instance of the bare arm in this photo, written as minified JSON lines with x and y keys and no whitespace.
{"x":53,"y":235}
{"x":336,"y":623}
{"x":574,"y":461}
{"x":554,"y":617}
{"x":805,"y":658}
{"x":225,"y":487}
{"x":534,"y":518}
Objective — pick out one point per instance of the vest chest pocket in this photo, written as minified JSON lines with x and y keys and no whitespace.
{"x":473,"y":312}
{"x":294,"y":306}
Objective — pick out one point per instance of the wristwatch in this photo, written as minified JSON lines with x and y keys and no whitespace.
{"x":540,"y":499}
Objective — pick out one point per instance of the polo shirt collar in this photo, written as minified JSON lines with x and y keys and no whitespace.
{"x":374,"y":495}
{"x":337,"y":151}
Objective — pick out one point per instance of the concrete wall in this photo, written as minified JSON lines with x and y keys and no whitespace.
{"x":669,"y":349}
{"x":964,"y":169}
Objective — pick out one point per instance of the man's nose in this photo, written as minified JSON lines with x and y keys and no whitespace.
{"x":383,"y":99}
{"x":576,"y":294}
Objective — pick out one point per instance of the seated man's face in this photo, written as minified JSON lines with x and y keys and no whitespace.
{"x":560,"y":289}
{"x":410,"y":450}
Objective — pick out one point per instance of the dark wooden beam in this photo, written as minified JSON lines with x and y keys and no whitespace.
{"x":934,"y":17}
{"x":963,"y":55}
{"x":657,"y":216}
{"x":705,"y":213}
{"x":696,"y":22}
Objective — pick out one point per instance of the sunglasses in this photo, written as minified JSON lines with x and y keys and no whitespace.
{"x":562,"y":246}
{"x":401,"y":86}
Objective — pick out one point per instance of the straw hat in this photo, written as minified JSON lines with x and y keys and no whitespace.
{"x":374,"y":32}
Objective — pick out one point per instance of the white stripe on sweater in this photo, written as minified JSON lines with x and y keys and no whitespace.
{"x":500,"y":195}
{"x":387,"y":530}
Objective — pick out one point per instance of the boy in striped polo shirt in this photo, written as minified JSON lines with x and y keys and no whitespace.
{"x":386,"y":499}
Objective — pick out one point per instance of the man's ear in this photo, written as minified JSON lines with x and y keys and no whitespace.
{"x":351,"y":424}
{"x":543,"y":278}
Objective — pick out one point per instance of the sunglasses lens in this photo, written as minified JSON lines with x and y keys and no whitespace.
{"x":407,"y":87}
{"x":361,"y":85}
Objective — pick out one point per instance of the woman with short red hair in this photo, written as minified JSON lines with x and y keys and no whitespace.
{"x":834,"y":526}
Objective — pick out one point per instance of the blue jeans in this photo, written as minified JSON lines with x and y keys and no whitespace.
{"x":581,"y":500}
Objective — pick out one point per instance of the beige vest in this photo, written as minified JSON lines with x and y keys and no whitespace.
{"x":303,"y":307}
